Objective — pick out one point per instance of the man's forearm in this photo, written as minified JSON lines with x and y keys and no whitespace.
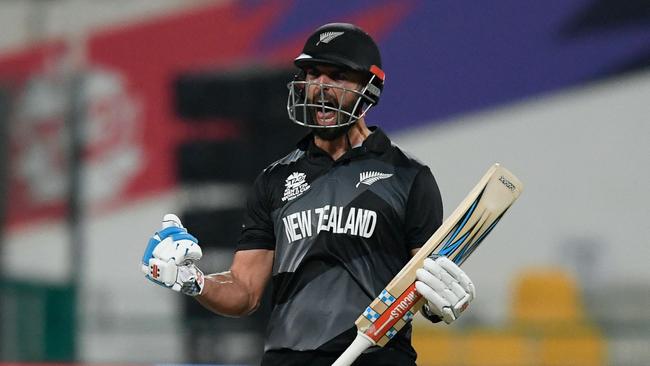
{"x":224,"y":294}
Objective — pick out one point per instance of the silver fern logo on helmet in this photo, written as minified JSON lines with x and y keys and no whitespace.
{"x":327,"y":37}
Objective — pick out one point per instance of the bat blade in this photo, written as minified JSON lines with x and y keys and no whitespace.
{"x":457,"y":238}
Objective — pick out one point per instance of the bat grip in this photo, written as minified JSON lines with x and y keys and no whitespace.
{"x":354,"y":350}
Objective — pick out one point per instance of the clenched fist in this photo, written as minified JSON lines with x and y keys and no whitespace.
{"x":170,"y":256}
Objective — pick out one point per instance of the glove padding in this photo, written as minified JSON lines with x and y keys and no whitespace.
{"x":170,"y":256}
{"x":446,"y":287}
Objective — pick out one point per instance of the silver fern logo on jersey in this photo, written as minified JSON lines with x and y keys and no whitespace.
{"x":371,"y":177}
{"x":295,"y":185}
{"x":327,"y":37}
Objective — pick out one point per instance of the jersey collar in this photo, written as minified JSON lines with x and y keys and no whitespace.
{"x":376,"y":142}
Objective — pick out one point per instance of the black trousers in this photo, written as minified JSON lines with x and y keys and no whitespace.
{"x":381,"y":357}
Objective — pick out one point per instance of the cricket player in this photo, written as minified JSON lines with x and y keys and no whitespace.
{"x":330,"y":224}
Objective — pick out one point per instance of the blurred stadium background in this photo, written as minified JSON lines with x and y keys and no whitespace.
{"x":113,"y":113}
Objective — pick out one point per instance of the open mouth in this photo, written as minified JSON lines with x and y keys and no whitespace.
{"x":325,"y":113}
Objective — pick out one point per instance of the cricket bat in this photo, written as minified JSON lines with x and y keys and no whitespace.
{"x":457,"y":238}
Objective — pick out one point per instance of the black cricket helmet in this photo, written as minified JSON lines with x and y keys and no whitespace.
{"x":348,"y":47}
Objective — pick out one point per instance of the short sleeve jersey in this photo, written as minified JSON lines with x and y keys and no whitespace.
{"x":341,"y":230}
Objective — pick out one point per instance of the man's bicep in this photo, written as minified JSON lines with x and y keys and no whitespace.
{"x":253,"y":269}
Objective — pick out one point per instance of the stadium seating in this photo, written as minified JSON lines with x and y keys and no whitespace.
{"x":548,"y":326}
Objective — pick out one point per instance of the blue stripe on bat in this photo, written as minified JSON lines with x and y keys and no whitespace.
{"x":450,"y":248}
{"x":460,"y":226}
{"x":470,"y":248}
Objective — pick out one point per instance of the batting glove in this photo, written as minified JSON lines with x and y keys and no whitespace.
{"x":446,"y":287}
{"x":170,"y":257}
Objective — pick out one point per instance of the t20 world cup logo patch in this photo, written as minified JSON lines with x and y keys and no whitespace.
{"x":295,"y":185}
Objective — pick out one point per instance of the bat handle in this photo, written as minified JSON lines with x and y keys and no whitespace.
{"x":361,"y":343}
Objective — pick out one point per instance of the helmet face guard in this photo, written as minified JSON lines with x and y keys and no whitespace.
{"x":303,"y":106}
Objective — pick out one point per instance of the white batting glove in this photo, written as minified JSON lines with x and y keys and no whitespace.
{"x":446,"y":287}
{"x":170,"y":257}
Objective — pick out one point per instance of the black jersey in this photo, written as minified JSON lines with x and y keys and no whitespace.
{"x":341,"y":230}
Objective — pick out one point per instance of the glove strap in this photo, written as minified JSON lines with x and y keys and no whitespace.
{"x":426,"y":312}
{"x":194,"y":286}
